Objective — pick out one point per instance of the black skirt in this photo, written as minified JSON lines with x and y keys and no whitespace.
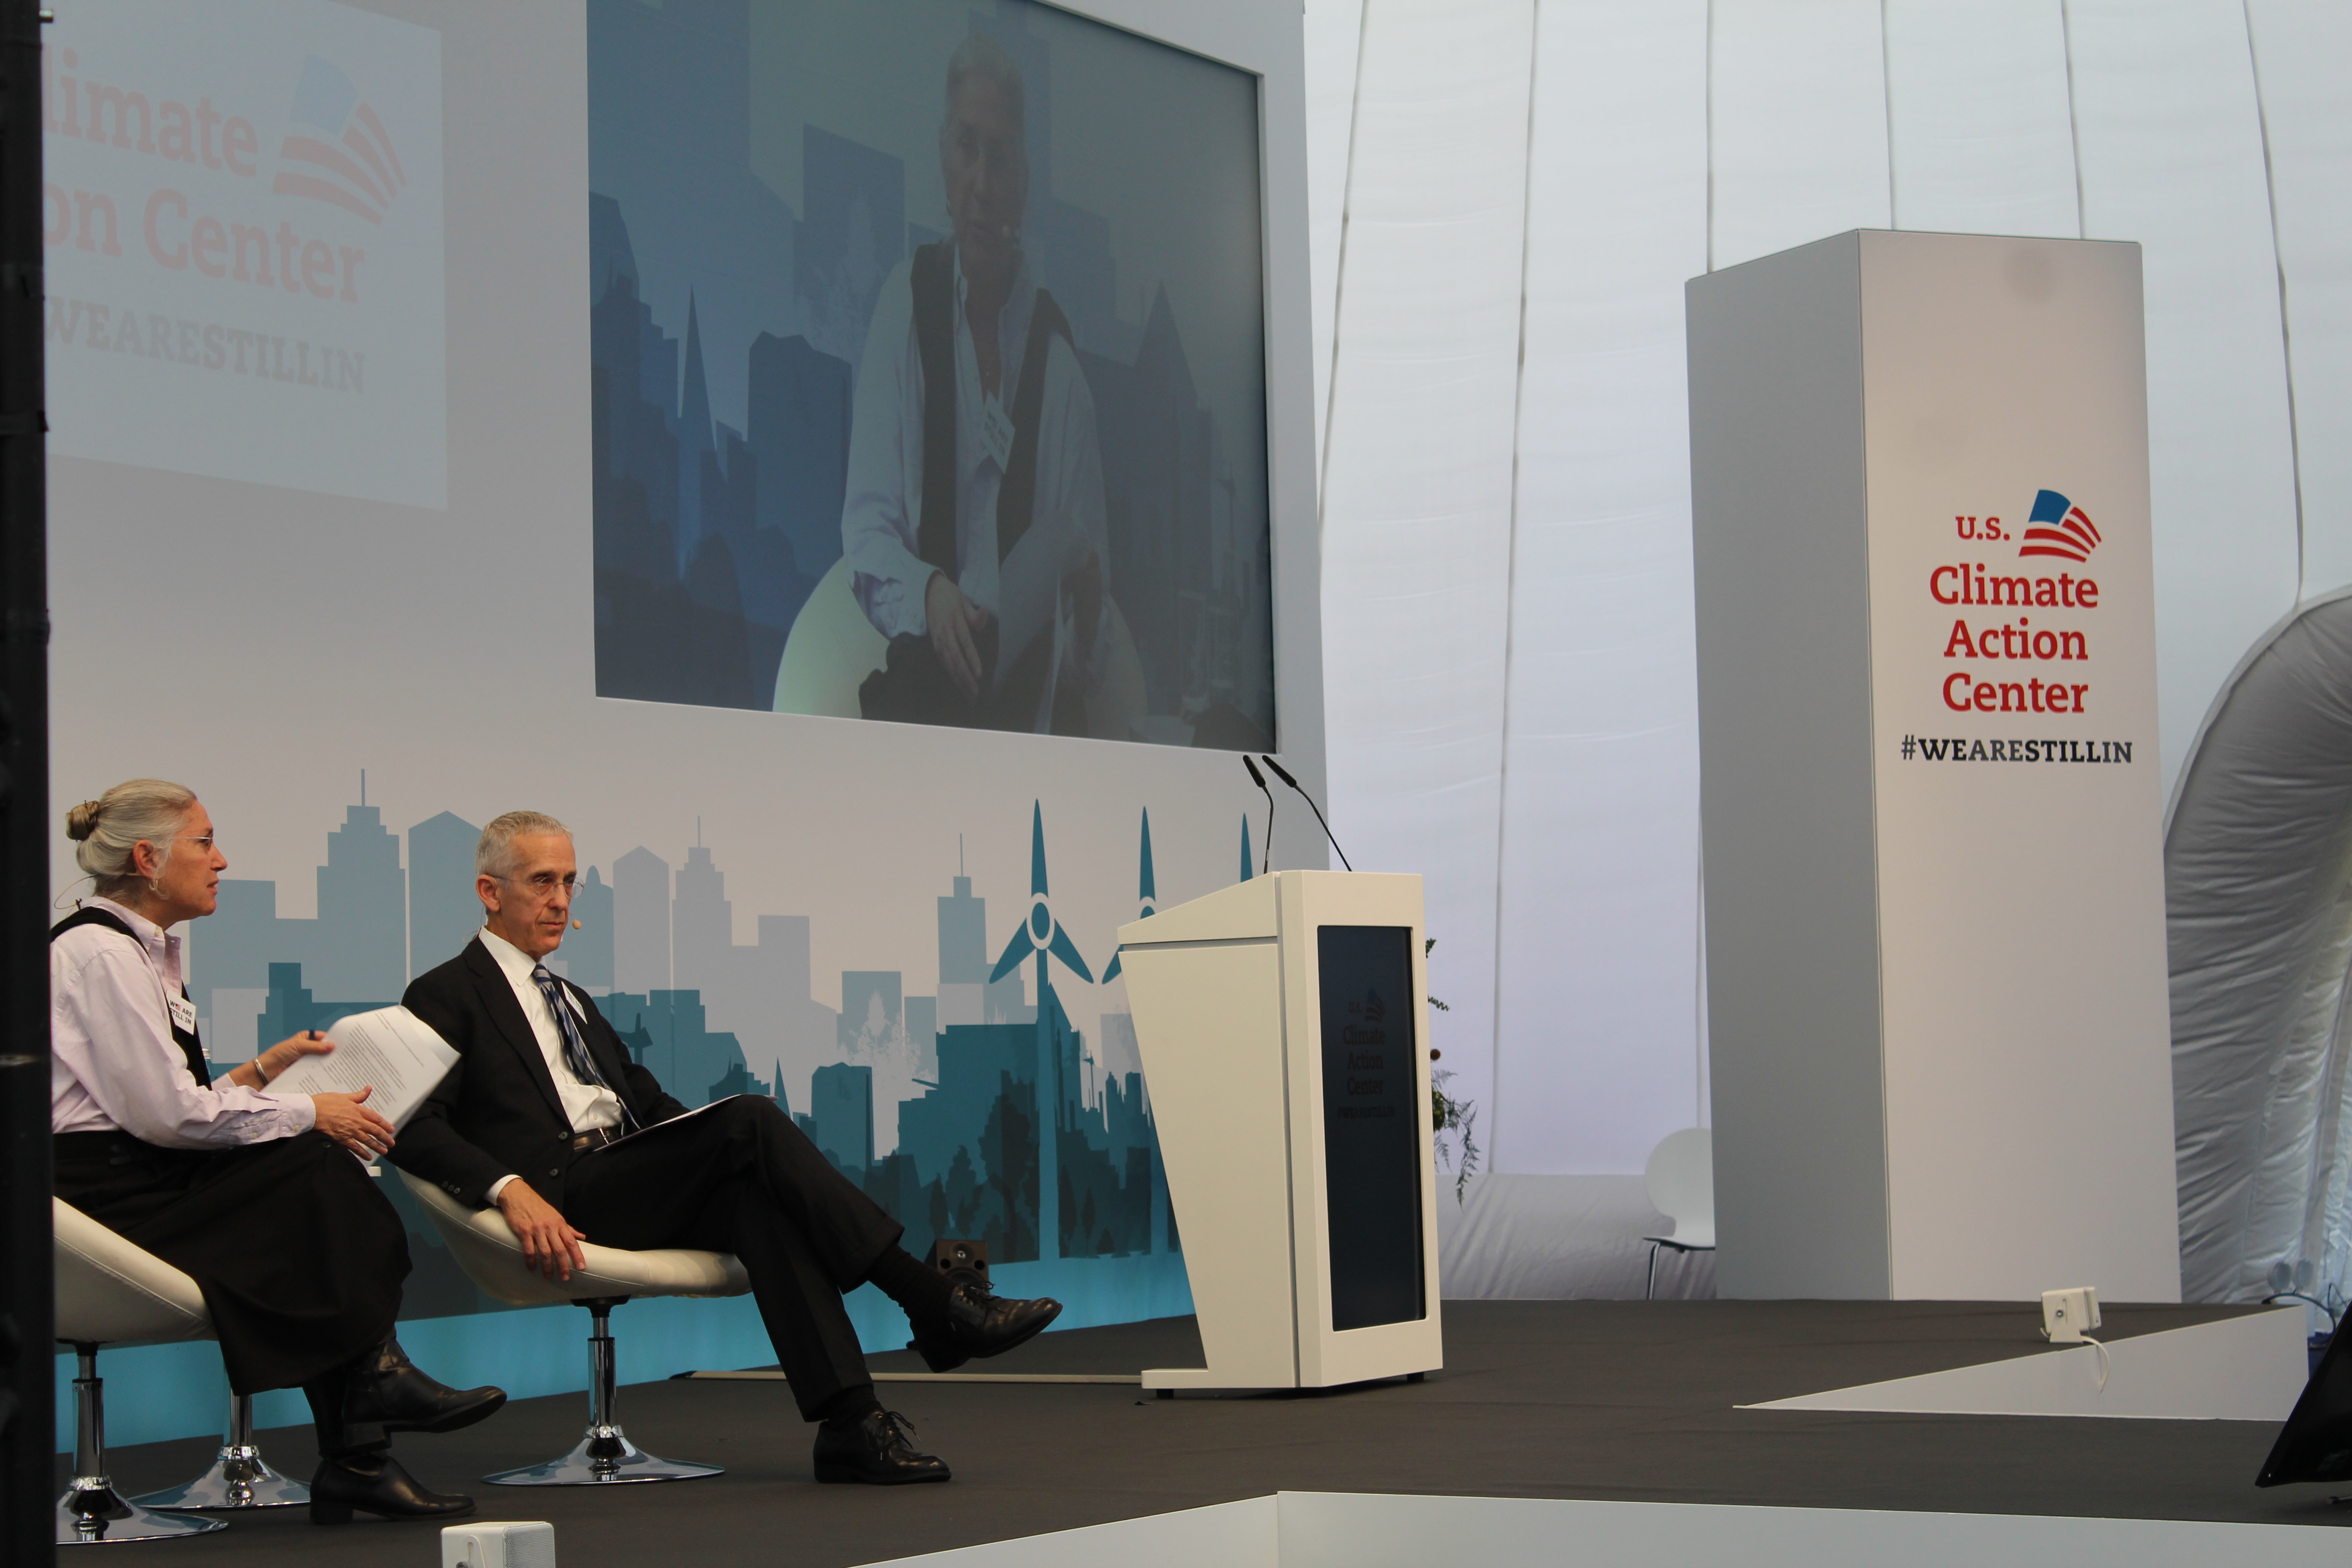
{"x":299,"y":1255}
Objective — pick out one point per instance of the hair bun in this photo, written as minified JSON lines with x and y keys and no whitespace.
{"x":81,"y":821}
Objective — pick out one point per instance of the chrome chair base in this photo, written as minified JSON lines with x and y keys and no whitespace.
{"x":92,"y":1514}
{"x":240,"y":1477}
{"x":604,"y":1456}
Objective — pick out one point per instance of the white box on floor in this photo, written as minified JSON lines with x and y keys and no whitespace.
{"x":1937,"y":1009}
{"x":499,"y":1543}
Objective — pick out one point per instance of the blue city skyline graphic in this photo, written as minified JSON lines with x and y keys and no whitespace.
{"x":709,"y":536}
{"x":971,"y":1112}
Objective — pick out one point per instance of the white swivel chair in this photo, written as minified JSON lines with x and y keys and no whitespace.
{"x":486,"y":1247}
{"x":1680,"y":1179}
{"x":110,"y":1289}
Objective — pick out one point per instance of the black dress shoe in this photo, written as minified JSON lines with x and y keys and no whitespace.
{"x":386,"y":1389}
{"x":875,"y":1451}
{"x":977,"y":1325}
{"x":375,"y":1483}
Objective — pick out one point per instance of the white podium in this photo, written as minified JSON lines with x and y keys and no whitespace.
{"x":1937,"y":1016}
{"x":1285,"y":1043}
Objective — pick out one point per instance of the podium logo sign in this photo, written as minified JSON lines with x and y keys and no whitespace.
{"x":241,"y":213}
{"x":2059,"y":528}
{"x":2008,"y":660}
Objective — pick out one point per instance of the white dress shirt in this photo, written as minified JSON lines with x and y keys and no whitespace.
{"x":587,"y":1105}
{"x":884,"y":505}
{"x":113,"y":1063}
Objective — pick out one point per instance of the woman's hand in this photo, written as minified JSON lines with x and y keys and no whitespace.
{"x":344,"y":1118}
{"x":550,"y":1244}
{"x":264,"y":1069}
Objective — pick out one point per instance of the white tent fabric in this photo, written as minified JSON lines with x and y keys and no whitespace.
{"x":2258,"y":885}
{"x":1549,"y":1238}
{"x":1600,"y":761}
{"x":1418,"y":465}
{"x":1507,"y":197}
{"x":2171,"y":140}
{"x":2301,"y":48}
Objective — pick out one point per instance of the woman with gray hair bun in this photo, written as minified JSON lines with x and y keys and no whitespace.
{"x":255,"y":1196}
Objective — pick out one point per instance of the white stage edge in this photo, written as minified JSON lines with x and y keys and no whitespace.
{"x":1344,"y":1530}
{"x":2240,"y":1369}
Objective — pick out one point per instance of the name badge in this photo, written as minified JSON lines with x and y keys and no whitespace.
{"x":996,"y":431}
{"x":183,"y":1015}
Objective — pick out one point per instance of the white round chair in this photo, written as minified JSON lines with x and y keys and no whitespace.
{"x":1680,"y":1179}
{"x":486,"y":1247}
{"x":109,"y":1290}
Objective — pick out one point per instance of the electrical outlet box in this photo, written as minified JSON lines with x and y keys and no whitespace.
{"x":2068,"y":1315}
{"x":499,"y":1543}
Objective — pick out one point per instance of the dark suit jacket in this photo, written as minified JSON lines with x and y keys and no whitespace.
{"x":496,"y":1113}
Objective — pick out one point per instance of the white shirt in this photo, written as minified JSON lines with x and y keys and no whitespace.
{"x":884,"y":505}
{"x":113,"y":1063}
{"x":587,"y":1105}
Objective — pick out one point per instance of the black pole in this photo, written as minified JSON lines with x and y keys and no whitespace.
{"x":27,"y":1417}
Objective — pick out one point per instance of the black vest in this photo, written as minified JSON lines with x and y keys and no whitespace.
{"x":933,"y":278}
{"x":191,"y":1047}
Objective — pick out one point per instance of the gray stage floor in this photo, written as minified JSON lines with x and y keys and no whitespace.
{"x":1552,"y":1399}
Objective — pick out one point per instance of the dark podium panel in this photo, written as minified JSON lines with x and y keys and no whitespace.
{"x":1372,"y":1162}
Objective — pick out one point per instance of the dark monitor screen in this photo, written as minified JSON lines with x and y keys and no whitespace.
{"x":1372,"y":1137}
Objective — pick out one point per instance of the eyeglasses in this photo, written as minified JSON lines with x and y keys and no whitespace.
{"x":545,"y":885}
{"x":207,"y":839}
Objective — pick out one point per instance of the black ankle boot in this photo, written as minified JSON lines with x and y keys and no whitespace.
{"x":374,"y":1483}
{"x":874,"y":1450}
{"x":976,"y":1324}
{"x":387,"y":1390}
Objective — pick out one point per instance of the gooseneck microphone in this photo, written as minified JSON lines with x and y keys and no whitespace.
{"x":1258,"y":779}
{"x":1284,"y":774}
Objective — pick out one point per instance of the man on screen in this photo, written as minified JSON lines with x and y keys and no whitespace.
{"x":975,"y":516}
{"x":547,"y":1119}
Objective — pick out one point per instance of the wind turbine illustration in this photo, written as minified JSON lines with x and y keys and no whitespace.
{"x":1145,"y":893}
{"x":1041,"y":933}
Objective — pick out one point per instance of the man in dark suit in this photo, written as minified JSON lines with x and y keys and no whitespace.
{"x":546,"y":1117}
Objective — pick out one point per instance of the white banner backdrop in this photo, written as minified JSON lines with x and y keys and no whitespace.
{"x":357,"y":666}
{"x":242,"y":208}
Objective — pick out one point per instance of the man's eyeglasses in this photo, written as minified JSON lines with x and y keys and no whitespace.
{"x":545,"y":885}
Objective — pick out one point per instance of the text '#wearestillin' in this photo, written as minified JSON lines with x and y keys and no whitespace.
{"x":207,"y":346}
{"x":1945,"y":750}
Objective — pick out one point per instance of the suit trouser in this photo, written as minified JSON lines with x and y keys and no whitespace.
{"x":741,"y":1178}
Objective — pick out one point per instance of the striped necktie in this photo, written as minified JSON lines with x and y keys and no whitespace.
{"x":575,"y":1048}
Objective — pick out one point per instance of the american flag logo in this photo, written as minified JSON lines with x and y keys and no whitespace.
{"x":2059,"y":527}
{"x":338,"y":150}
